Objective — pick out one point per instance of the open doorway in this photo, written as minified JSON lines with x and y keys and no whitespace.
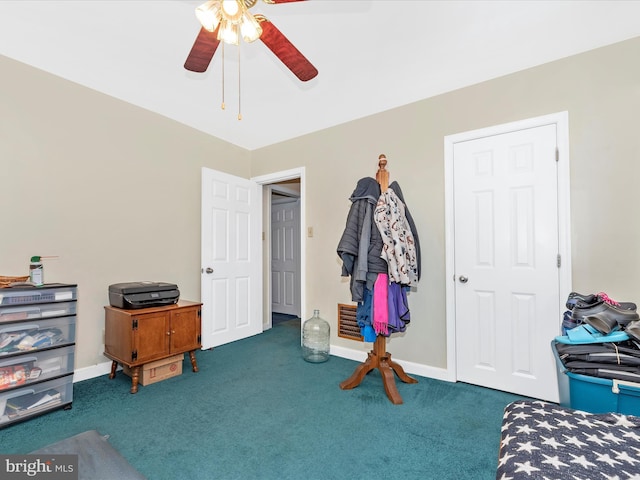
{"x":285,"y":251}
{"x":283,"y":186}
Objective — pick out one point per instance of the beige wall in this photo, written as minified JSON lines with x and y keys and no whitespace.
{"x":112,"y":189}
{"x":600,"y":90}
{"x":115,"y":190}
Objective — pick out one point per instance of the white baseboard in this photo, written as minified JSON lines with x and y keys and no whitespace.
{"x":409,"y":367}
{"x":104,"y":368}
{"x":93,"y":371}
{"x":348,"y":353}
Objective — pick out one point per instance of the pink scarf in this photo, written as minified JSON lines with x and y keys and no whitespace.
{"x":381,"y":304}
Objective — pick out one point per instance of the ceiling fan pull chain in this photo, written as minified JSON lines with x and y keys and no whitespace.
{"x":222,"y":75}
{"x":239,"y":114}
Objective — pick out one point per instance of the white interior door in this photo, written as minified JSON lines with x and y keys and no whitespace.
{"x":285,"y":256}
{"x":231,"y":282}
{"x":506,"y":257}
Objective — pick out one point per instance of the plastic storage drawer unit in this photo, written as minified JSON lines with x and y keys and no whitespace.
{"x":32,"y":400}
{"x":20,"y":337}
{"x":595,"y":394}
{"x":37,"y":350}
{"x":50,"y":293}
{"x":29,"y":312}
{"x":37,"y":366}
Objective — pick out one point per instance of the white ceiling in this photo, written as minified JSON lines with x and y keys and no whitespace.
{"x":372,"y":55}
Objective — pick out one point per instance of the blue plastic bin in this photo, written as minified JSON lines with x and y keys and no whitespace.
{"x":594,"y":394}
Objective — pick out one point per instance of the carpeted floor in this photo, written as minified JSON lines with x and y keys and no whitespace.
{"x":256,"y":410}
{"x":278,"y":318}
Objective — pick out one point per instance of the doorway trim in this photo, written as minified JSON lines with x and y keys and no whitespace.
{"x":561,"y":120}
{"x":266,"y":181}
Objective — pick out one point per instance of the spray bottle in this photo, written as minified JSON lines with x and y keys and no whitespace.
{"x":36,"y":271}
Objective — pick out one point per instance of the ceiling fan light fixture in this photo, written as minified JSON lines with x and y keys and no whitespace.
{"x":250,"y":29}
{"x":209,"y":14}
{"x":232,"y":11}
{"x":229,"y":33}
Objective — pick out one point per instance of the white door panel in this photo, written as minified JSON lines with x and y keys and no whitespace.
{"x":285,"y":257}
{"x":231,"y":258}
{"x":506,"y":247}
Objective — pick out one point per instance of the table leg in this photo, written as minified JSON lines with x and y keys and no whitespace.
{"x":135,"y":378}
{"x":194,"y":364}
{"x":112,"y":374}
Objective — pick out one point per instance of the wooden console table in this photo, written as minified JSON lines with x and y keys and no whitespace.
{"x":136,"y":337}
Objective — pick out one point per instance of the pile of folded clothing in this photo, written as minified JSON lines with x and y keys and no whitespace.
{"x":601,"y":337}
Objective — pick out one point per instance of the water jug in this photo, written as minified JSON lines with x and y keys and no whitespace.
{"x":315,"y":339}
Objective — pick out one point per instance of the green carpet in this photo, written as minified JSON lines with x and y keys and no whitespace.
{"x":256,"y":410}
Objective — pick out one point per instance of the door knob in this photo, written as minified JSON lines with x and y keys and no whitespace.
{"x":209,"y":270}
{"x":463,"y":279}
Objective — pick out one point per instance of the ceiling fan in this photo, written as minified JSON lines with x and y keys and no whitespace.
{"x":228,"y":20}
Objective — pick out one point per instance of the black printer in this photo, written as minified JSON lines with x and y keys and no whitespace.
{"x":143,"y":294}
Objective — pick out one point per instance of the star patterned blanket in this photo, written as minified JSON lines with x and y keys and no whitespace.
{"x":544,"y":441}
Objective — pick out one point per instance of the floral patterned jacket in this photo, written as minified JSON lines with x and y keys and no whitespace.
{"x":399,"y":249}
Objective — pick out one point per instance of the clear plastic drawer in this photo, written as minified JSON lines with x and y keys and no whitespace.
{"x":16,"y":405}
{"x":27,"y":336}
{"x":17,"y":371}
{"x":22,"y":295}
{"x":25,"y":312}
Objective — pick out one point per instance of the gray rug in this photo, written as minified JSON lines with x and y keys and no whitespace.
{"x":97,"y":459}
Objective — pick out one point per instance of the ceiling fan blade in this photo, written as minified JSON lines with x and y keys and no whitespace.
{"x":285,"y":50}
{"x":202,"y":51}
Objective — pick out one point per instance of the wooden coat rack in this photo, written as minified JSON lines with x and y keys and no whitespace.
{"x":379,"y":357}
